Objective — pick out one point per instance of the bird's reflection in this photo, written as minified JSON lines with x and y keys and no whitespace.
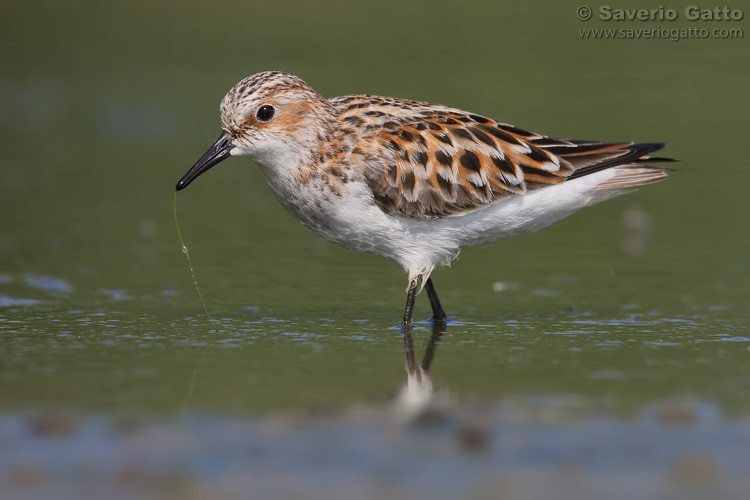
{"x":417,"y":392}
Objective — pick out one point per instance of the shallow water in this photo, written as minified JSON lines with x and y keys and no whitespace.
{"x":606,"y":356}
{"x":106,"y":400}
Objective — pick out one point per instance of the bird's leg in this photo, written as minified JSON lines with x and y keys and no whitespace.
{"x":411,"y":295}
{"x":438,"y":314}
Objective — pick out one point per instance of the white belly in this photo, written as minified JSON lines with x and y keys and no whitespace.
{"x":353,"y":220}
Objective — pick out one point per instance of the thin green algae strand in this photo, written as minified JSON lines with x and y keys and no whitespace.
{"x":190,"y":262}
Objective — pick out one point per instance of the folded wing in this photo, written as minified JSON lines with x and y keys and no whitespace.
{"x":428,"y":161}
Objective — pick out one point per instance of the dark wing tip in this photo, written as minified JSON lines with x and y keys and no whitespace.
{"x":608,"y":155}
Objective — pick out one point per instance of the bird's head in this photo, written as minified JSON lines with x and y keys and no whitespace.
{"x":275,"y":119}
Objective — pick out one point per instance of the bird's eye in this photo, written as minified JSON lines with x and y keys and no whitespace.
{"x":265,"y":113}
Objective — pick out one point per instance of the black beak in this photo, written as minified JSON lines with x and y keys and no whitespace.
{"x":219,"y":151}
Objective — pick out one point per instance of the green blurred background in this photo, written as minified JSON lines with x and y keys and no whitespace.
{"x":104,"y":105}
